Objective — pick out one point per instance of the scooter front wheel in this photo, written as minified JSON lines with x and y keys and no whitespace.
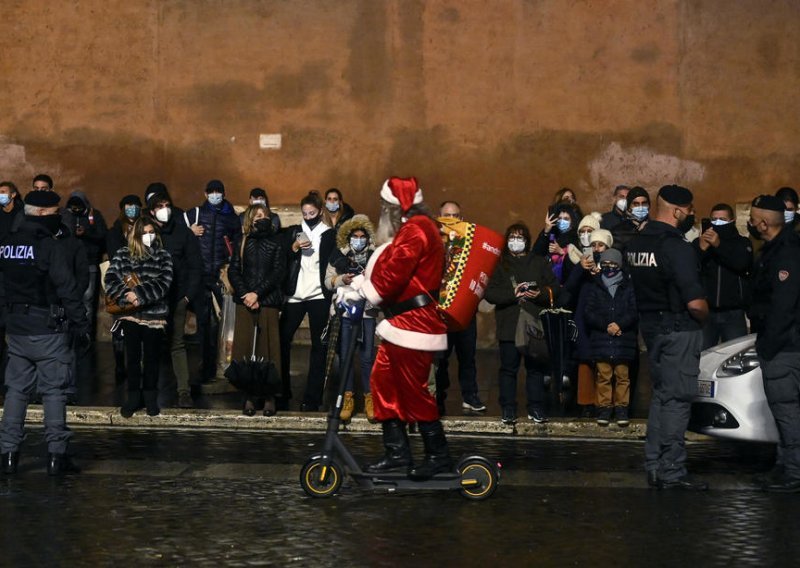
{"x":479,"y":478}
{"x":319,"y":480}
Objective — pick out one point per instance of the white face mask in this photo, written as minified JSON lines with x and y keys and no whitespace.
{"x":788,"y":216}
{"x":622,"y":204}
{"x":333,"y":207}
{"x":148,"y":239}
{"x":517,"y":245}
{"x":260,"y":202}
{"x":586,"y":238}
{"x":215,"y":198}
{"x":163,"y":214}
{"x":720,"y":222}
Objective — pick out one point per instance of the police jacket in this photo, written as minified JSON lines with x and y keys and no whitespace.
{"x":154,"y":271}
{"x":665,"y":273}
{"x":725,"y":270}
{"x":774,"y":312}
{"x":219,"y":221}
{"x":326,"y":246}
{"x":511,"y":271}
{"x":259,"y":265}
{"x":187,"y":263}
{"x":75,"y":253}
{"x":36,"y":277}
{"x":602,"y":309}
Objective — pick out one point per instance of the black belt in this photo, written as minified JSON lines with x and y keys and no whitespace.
{"x":418,"y":301}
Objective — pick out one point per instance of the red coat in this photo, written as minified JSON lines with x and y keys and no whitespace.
{"x":411,"y":264}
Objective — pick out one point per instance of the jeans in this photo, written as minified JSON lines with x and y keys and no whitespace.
{"x":723,"y":326}
{"x":464,"y":342}
{"x":510,"y":359}
{"x":291,"y":317}
{"x":365,"y":350}
{"x":143,"y":350}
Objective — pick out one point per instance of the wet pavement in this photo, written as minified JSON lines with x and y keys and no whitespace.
{"x":210,"y":498}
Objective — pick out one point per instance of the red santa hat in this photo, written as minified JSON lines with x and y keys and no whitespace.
{"x":401,"y":191}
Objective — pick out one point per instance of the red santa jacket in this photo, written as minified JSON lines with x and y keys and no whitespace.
{"x":411,"y":264}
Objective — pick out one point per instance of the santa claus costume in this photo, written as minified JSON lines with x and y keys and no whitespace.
{"x":403,"y":278}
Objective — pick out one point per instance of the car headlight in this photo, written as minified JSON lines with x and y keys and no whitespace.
{"x":741,"y":363}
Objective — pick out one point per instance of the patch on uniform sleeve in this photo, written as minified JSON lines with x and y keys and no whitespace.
{"x":783,"y":275}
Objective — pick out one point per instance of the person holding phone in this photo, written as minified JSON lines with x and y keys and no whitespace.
{"x":726,"y":260}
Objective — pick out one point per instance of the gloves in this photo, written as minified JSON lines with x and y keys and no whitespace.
{"x":347,"y":296}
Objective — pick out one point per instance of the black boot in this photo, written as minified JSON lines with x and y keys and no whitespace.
{"x":437,"y":454}
{"x":132,"y":404}
{"x":61,"y":464}
{"x":10,"y":462}
{"x":151,"y":402}
{"x":398,"y":453}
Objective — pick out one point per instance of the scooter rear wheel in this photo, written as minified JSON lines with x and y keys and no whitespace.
{"x":320,"y":481}
{"x":478,"y":478}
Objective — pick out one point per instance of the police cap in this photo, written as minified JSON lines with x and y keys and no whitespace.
{"x":42,"y":198}
{"x":769,"y":202}
{"x":676,"y":195}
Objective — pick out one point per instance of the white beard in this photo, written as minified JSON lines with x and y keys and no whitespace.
{"x":385,"y":231}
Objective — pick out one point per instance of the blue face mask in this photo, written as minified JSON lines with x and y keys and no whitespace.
{"x":332,"y":207}
{"x":215,"y":198}
{"x":563,"y":225}
{"x":5,"y":199}
{"x":131,"y":211}
{"x":640,"y":212}
{"x":788,"y":216}
{"x":358,"y":243}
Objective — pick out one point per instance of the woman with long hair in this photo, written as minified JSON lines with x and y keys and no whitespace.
{"x":336,"y":210}
{"x":256,"y":273}
{"x":138,"y":280}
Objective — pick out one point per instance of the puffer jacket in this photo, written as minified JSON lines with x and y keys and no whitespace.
{"x":259,"y":265}
{"x":601,"y":310}
{"x":344,"y":260}
{"x":117,"y":236}
{"x":219,"y":221}
{"x":154,"y":272}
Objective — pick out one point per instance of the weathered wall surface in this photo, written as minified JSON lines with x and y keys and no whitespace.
{"x":496,"y":104}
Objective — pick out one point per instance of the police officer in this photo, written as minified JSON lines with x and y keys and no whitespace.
{"x":42,"y":304}
{"x":774,"y":317}
{"x":672,"y":308}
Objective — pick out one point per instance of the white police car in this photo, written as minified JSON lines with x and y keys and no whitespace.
{"x":731,"y":402}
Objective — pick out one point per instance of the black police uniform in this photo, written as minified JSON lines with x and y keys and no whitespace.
{"x":775,"y":316}
{"x":42,"y":301}
{"x":664,"y":269}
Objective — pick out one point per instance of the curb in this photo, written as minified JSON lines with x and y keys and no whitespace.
{"x":317,"y":422}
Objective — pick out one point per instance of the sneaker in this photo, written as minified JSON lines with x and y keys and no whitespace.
{"x":537,"y":416}
{"x":603,"y":415}
{"x":473,"y":403}
{"x":621,"y":414}
{"x":509,"y":416}
{"x":185,"y":400}
{"x":587,"y":411}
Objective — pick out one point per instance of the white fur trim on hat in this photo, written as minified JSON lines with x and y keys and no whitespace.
{"x":387,"y":195}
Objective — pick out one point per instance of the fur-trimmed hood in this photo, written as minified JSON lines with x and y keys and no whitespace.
{"x":356,"y":222}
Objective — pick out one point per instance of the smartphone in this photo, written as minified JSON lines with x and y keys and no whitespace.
{"x":705,"y":224}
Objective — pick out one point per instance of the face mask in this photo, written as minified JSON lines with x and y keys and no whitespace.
{"x":563,"y":225}
{"x":163,"y":214}
{"x":687,"y":224}
{"x":610,"y":271}
{"x":788,"y":216}
{"x":263,"y":225}
{"x":516,"y":245}
{"x":5,"y":199}
{"x":148,"y":239}
{"x":259,"y":202}
{"x":720,"y":222}
{"x":586,"y":239}
{"x":78,"y":211}
{"x":640,"y":212}
{"x":754,"y":232}
{"x":358,"y":243}
{"x":215,"y":198}
{"x":131,"y":211}
{"x":332,"y":207}
{"x":312,"y":222}
{"x":621,"y":204}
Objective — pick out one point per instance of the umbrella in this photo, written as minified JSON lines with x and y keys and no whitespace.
{"x":255,"y":376}
{"x":559,"y":331}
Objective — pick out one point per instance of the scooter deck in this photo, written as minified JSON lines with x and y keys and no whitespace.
{"x":400,"y":480}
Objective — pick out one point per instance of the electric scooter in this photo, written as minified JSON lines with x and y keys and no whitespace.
{"x":474,"y":476}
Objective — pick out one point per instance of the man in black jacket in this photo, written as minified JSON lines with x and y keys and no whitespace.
{"x":726,"y":258}
{"x":187,"y":270}
{"x":618,"y":211}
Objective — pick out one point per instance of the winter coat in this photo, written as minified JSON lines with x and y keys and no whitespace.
{"x":725,"y":270}
{"x":75,"y":252}
{"x":344,"y":260}
{"x":612,"y":219}
{"x":500,"y":291}
{"x":187,"y":264}
{"x":154,"y":272}
{"x":259,"y":265}
{"x":577,"y":287}
{"x":93,"y":225}
{"x":347,"y":214}
{"x":326,"y":246}
{"x":219,"y":221}
{"x":602,"y":309}
{"x":117,"y":236}
{"x":624,"y":232}
{"x":541,"y":246}
{"x":11,"y":220}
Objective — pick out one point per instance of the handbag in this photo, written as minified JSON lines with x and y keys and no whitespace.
{"x":529,"y":338}
{"x":112,"y":304}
